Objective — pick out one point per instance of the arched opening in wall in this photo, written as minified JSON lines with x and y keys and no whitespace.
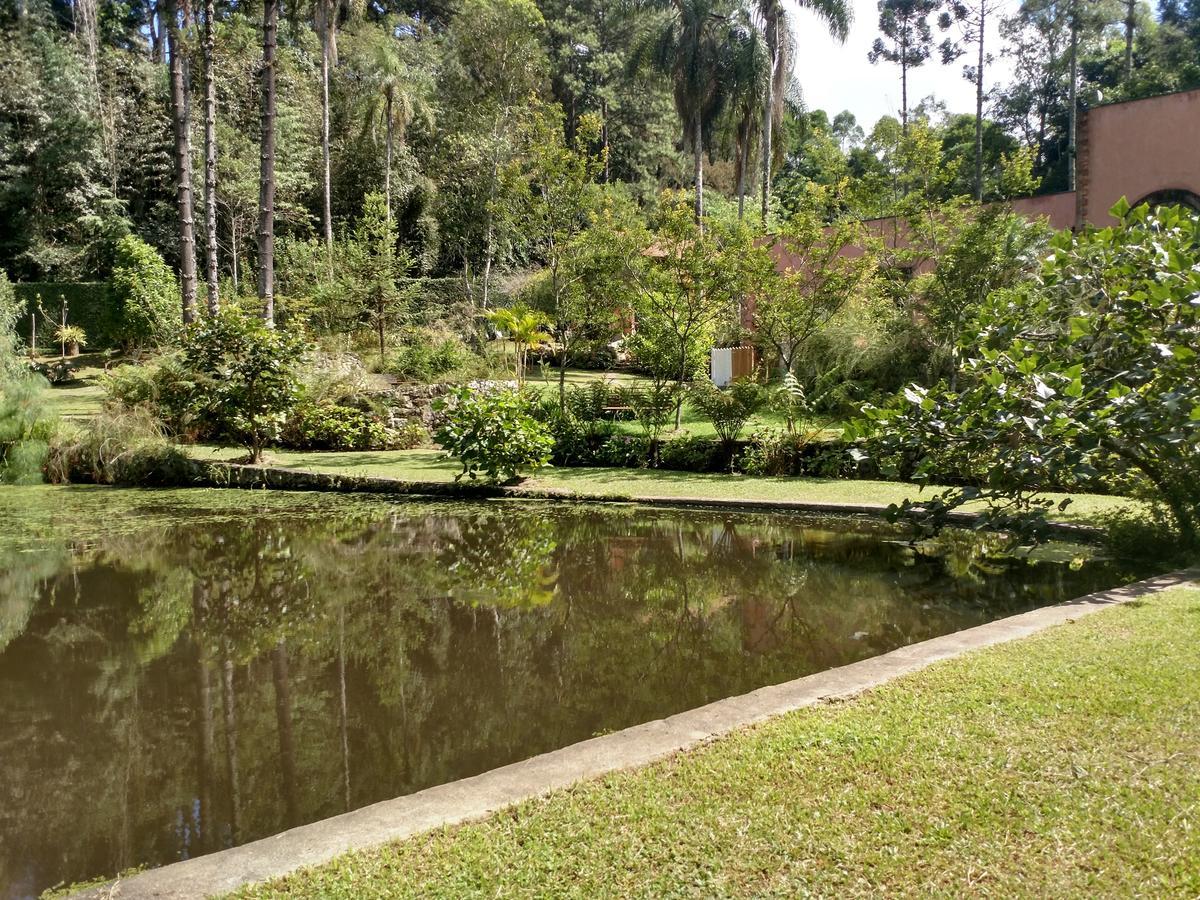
{"x":1172,"y":197}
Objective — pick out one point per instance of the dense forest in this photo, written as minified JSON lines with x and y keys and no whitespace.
{"x":147,"y":117}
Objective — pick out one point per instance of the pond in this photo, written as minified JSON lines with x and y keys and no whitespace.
{"x":185,"y":671}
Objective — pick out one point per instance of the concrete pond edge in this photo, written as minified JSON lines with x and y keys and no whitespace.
{"x":474,"y":798}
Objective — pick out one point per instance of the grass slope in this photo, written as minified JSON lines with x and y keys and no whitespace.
{"x":430,"y":465}
{"x":1067,"y":764}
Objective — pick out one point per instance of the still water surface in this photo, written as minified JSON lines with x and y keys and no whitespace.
{"x":200,"y":678}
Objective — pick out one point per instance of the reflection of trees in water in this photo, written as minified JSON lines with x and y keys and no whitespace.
{"x":262,"y":672}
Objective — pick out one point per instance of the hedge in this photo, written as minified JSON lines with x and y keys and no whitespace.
{"x":88,"y":306}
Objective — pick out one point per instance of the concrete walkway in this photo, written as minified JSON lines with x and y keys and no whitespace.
{"x":474,"y":798}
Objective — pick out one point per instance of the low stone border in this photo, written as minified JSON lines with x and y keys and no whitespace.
{"x":222,"y":474}
{"x":476,"y":797}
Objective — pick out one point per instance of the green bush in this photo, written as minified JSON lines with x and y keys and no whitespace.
{"x":728,"y":410}
{"x":425,"y":356}
{"x":145,"y":296}
{"x":625,"y":451}
{"x":10,"y":311}
{"x":493,"y":433}
{"x":165,"y":388}
{"x":1086,"y":373}
{"x":243,"y":378}
{"x":653,"y":406}
{"x":590,"y":403}
{"x":25,"y":429}
{"x":693,"y":454}
{"x":329,"y":426}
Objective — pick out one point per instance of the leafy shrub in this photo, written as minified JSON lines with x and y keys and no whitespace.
{"x":144,"y":294}
{"x":25,"y":429}
{"x":693,"y":454}
{"x":332,"y":377}
{"x":425,"y":356}
{"x":493,"y":433}
{"x":1147,"y":536}
{"x":244,"y":379}
{"x":652,"y":406}
{"x":164,"y":388}
{"x":590,"y":403}
{"x":1088,"y":371}
{"x":595,"y":355}
{"x":773,"y":452}
{"x":328,"y":426}
{"x":625,"y":451}
{"x":728,"y":410}
{"x":10,"y":311}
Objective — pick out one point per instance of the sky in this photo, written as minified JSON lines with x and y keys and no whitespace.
{"x":837,"y":76}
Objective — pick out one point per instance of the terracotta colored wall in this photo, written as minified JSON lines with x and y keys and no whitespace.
{"x":1057,"y":209}
{"x":1136,"y":148}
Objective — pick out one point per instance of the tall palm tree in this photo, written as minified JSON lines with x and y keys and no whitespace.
{"x":526,"y":328}
{"x":692,"y":46}
{"x":836,"y":15}
{"x":396,"y":99}
{"x":749,"y":74}
{"x":327,"y":14}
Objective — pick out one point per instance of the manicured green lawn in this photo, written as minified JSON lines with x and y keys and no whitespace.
{"x":1062,"y":765}
{"x":76,"y":399}
{"x":430,"y":465}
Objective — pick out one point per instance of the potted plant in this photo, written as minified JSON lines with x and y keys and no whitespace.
{"x":71,"y":338}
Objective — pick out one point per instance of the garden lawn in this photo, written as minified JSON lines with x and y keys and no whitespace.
{"x":431,"y":465}
{"x":1065,"y":764}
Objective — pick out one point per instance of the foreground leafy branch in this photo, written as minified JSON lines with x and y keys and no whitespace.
{"x":1087,"y":374}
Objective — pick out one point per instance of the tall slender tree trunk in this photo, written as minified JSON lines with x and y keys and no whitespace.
{"x":210,"y":160}
{"x":229,"y":707}
{"x":156,"y":33}
{"x":343,"y":708}
{"x":768,"y":123}
{"x":698,"y":139}
{"x":1130,"y":22}
{"x":266,"y":178}
{"x":204,"y":722}
{"x":235,"y":271}
{"x":283,"y":721}
{"x":743,"y":149}
{"x":979,"y":107}
{"x":489,"y":238}
{"x":387,"y":167}
{"x":903,"y":84}
{"x":180,"y":116}
{"x":327,"y":205}
{"x":1072,"y":102}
